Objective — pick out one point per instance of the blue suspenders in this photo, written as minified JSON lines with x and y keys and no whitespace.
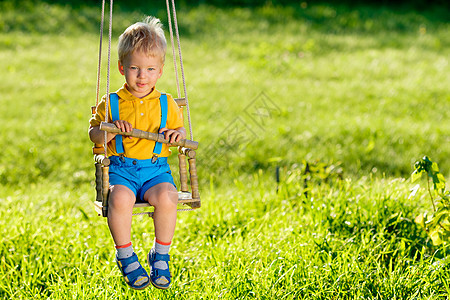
{"x":163,"y":104}
{"x":114,"y":101}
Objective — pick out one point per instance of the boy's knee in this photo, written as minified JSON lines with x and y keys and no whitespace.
{"x":121,"y":203}
{"x":167,"y":199}
{"x":164,"y":198}
{"x":121,"y":199}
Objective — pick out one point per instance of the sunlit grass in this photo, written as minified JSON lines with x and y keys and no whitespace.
{"x":347,"y":238}
{"x":366,"y":91}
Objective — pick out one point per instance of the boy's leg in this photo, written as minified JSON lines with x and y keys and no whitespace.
{"x":120,"y":212}
{"x":164,"y":197}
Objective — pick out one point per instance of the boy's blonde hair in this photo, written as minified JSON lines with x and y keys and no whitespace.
{"x":147,"y":36}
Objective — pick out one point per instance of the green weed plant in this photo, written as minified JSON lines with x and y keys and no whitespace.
{"x":437,"y":224}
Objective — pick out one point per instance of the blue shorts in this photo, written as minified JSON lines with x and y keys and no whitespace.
{"x":139,"y":175}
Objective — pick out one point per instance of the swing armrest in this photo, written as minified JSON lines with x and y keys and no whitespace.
{"x":157,"y":137}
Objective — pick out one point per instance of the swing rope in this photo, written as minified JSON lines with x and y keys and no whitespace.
{"x":105,"y":146}
{"x":108,"y":73}
{"x":150,"y":213}
{"x":175,"y":22}
{"x":100,"y":54}
{"x":174,"y":55}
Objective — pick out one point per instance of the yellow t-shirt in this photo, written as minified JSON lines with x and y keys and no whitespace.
{"x":141,"y":113}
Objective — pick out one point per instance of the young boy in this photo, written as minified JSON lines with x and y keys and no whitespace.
{"x":138,"y":168}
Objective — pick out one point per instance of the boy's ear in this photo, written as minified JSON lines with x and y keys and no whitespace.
{"x":161,"y":70}
{"x":121,"y":68}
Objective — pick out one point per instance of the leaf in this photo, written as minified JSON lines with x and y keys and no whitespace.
{"x":435,"y":237}
{"x":434,"y":167}
{"x":438,"y":183}
{"x":426,"y":159}
{"x":416,"y":175}
{"x":420,"y":220}
{"x":446,"y":227}
{"x":441,"y":179}
{"x":418,"y":165}
{"x":446,"y":198}
{"x":427,"y":163}
{"x":444,"y":210}
{"x":439,"y":217}
{"x":446,"y":236}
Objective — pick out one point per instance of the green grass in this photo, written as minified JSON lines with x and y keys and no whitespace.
{"x":364,"y":90}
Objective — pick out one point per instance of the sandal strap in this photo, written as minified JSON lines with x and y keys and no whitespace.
{"x":163,"y":257}
{"x":126,"y":261}
{"x":133,"y":275}
{"x":158,"y":273}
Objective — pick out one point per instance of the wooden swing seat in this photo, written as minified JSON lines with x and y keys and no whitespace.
{"x":184,"y":198}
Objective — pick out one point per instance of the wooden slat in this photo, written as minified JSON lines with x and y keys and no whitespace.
{"x":180,"y":101}
{"x":98,"y":182}
{"x":110,"y":127}
{"x":194,"y":204}
{"x":194,"y":183}
{"x":185,"y":201}
{"x":98,"y":150}
{"x":105,"y":189}
{"x":183,"y":172}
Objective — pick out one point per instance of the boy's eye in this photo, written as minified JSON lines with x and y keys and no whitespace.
{"x":151,"y":69}
{"x":133,"y":68}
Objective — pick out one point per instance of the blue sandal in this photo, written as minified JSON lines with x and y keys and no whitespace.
{"x":156,"y":273}
{"x":131,"y":278}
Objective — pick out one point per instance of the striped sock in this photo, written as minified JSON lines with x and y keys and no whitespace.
{"x":124,"y":251}
{"x":161,"y":247}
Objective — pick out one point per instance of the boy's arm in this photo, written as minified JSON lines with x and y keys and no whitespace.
{"x":97,"y":136}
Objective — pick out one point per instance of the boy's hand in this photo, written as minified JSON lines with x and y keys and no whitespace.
{"x":124,"y":126}
{"x":173,"y":135}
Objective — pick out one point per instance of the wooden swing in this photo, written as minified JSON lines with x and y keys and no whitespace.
{"x":186,"y":148}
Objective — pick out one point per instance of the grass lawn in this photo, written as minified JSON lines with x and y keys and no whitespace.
{"x":363,"y":91}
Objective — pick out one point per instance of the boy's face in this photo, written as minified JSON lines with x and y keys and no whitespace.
{"x":141,"y":73}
